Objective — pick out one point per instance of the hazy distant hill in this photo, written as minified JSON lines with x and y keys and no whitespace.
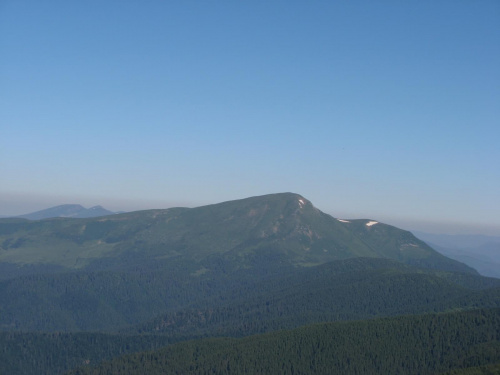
{"x":68,"y":210}
{"x":459,"y":241}
{"x":478,"y":251}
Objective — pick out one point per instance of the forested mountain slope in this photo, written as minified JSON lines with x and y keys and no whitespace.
{"x":351,"y":289}
{"x":28,"y":353}
{"x":425,"y":344}
{"x":235,"y":303}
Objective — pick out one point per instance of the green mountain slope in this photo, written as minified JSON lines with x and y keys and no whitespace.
{"x":345,"y":290}
{"x":235,"y":303}
{"x":425,"y":344}
{"x":284,"y":228}
{"x":351,"y":289}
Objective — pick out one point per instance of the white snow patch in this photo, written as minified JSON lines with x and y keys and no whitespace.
{"x":370,"y":223}
{"x":343,"y":221}
{"x":301,"y":202}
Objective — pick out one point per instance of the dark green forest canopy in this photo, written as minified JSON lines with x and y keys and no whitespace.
{"x":493,"y":369}
{"x":343,"y":290}
{"x":56,"y":353}
{"x":425,"y":344}
{"x":235,"y":303}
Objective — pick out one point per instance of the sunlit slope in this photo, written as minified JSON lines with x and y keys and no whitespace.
{"x":283,"y":227}
{"x":74,"y":243}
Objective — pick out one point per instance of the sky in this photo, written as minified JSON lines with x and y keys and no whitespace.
{"x":386,"y":110}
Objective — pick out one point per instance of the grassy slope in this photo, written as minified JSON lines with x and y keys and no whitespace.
{"x":286,"y":225}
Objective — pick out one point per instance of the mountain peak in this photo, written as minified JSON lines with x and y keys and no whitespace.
{"x":69,"y":211}
{"x":277,"y":198}
{"x":283,"y":227}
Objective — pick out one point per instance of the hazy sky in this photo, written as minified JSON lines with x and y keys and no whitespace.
{"x":386,"y":110}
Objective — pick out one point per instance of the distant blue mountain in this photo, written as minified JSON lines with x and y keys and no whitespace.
{"x":68,"y":210}
{"x":478,"y":251}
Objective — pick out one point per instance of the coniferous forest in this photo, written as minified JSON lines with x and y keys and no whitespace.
{"x":425,"y":344}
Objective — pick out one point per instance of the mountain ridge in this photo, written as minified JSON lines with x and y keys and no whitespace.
{"x":285,"y":227}
{"x":477,"y":251}
{"x":68,"y":211}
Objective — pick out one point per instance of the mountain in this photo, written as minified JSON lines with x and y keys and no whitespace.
{"x":283,"y":229}
{"x":68,"y":210}
{"x":485,"y":259}
{"x":81,"y":291}
{"x":459,"y":241}
{"x":118,"y":271}
{"x":477,"y":251}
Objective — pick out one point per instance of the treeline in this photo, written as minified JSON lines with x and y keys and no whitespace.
{"x":425,"y":344}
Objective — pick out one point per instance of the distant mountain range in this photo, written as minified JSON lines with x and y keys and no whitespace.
{"x":68,"y":210}
{"x":478,"y":251}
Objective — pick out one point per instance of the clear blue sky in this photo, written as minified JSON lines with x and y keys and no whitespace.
{"x":386,"y":110}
